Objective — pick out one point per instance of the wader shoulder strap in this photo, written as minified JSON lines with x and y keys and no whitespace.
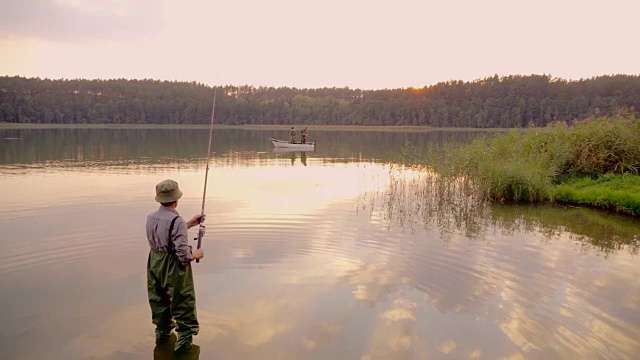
{"x":170,"y":244}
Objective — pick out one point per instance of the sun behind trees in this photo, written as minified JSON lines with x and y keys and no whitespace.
{"x":494,"y":102}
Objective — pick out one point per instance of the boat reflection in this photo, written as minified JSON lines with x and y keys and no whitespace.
{"x":293,"y":154}
{"x":286,"y":151}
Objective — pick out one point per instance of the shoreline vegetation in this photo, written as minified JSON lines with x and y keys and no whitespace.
{"x":594,"y":162}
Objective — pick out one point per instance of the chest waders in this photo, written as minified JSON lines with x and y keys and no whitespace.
{"x":172,"y":296}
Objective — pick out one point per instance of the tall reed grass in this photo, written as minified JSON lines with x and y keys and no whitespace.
{"x":538,"y":164}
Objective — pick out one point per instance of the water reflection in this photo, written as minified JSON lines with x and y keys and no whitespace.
{"x":293,"y":155}
{"x":165,"y":351}
{"x":343,"y":258}
{"x":99,"y":147}
{"x":419,"y":198}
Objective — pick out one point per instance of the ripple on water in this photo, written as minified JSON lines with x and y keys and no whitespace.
{"x":56,"y":250}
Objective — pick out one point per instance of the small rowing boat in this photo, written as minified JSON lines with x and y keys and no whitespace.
{"x":281,"y":144}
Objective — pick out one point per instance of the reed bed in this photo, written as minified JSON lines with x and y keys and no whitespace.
{"x":594,"y":162}
{"x":422,"y":200}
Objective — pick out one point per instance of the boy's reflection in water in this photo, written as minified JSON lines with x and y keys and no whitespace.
{"x":165,"y":351}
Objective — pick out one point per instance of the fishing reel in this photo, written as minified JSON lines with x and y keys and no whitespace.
{"x":201,"y":231}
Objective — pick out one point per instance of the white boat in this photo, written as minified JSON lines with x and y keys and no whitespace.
{"x":281,"y":144}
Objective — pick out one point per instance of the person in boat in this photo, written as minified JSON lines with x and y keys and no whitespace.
{"x":170,"y":285}
{"x":303,"y":134}
{"x":293,"y":135}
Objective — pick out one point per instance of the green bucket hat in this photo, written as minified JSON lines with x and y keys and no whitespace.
{"x":168,"y":191}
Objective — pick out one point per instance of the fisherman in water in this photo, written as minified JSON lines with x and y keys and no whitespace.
{"x":293,"y":135}
{"x":169,"y":277}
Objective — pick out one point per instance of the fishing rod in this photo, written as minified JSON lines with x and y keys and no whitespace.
{"x":201,"y":228}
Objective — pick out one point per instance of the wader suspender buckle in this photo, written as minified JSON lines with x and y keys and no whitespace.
{"x":170,"y":248}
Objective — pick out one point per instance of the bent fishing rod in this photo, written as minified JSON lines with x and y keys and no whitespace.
{"x":201,"y":228}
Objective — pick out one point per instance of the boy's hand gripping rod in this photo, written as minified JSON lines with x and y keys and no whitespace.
{"x":206,"y":174}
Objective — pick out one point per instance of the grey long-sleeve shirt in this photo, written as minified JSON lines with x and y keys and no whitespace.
{"x":158,"y":224}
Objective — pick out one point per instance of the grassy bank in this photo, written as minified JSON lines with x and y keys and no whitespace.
{"x":592,"y":163}
{"x":619,"y":193}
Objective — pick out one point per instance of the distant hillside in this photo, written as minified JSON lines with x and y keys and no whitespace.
{"x":513,"y":101}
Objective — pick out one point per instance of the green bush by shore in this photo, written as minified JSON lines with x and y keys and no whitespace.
{"x":594,"y":162}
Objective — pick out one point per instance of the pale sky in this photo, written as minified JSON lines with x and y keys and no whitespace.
{"x":310,"y":44}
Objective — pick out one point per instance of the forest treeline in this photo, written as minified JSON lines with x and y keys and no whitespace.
{"x":493,"y":102}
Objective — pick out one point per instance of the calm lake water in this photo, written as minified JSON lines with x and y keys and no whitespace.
{"x":336,"y":254}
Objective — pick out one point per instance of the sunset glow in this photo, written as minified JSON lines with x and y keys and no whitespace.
{"x":330,"y":43}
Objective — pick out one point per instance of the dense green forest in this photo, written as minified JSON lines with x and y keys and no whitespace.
{"x":513,"y":101}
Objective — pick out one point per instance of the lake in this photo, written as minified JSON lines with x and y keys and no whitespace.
{"x":334,"y":254}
